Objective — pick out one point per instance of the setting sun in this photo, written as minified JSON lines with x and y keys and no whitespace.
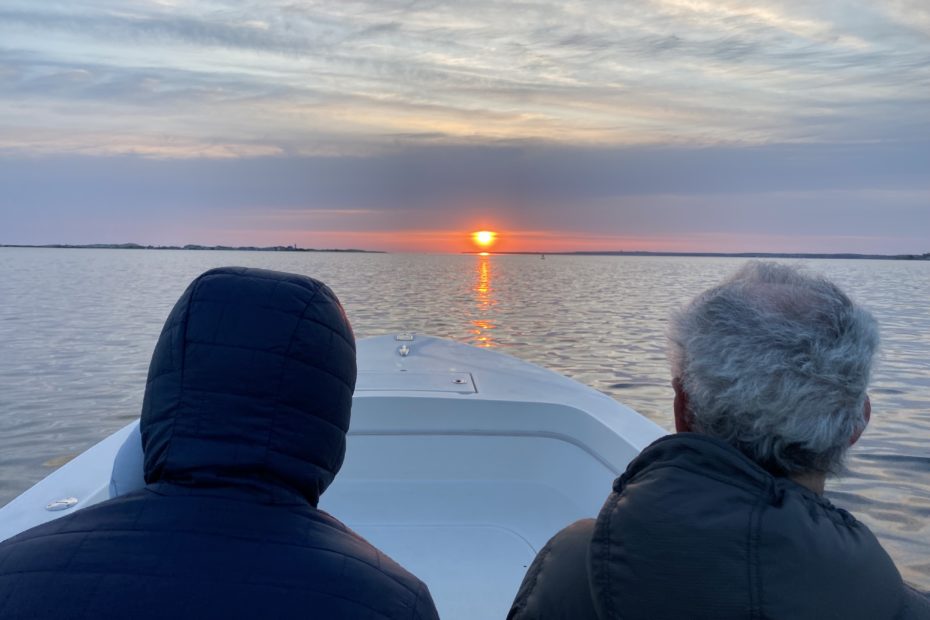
{"x":484,"y":238}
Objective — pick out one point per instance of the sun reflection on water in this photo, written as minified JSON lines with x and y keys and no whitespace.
{"x":483,"y":324}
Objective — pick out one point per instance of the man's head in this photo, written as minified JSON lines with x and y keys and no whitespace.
{"x":250,"y":386}
{"x":776,"y":363}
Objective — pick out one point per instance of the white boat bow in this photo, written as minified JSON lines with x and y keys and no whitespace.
{"x":461,"y":463}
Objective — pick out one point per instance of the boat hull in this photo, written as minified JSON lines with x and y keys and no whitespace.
{"x":460,"y":464}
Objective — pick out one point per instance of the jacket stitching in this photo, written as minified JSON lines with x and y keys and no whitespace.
{"x":611,"y":612}
{"x":704,"y":474}
{"x":185,"y":322}
{"x":272,"y":422}
{"x":315,"y":548}
{"x":752,"y":556}
{"x":279,"y":281}
{"x":266,"y":351}
{"x":259,"y":349}
{"x":536,"y":570}
{"x":260,"y":584}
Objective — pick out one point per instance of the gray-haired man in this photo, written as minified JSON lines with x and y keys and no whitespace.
{"x":726,"y":519}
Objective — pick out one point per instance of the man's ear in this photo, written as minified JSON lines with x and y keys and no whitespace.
{"x":867,"y":414}
{"x":683,"y":421}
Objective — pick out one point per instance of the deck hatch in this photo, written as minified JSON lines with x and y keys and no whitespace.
{"x":405,"y":381}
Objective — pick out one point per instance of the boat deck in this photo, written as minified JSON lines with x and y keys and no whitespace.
{"x":461,"y":463}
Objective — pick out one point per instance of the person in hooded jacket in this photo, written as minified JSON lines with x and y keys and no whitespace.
{"x":726,"y":519}
{"x":243,"y":426}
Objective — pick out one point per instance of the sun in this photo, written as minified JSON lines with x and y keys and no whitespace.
{"x":484,"y":238}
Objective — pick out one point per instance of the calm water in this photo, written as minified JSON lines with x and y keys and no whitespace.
{"x":77,"y":328}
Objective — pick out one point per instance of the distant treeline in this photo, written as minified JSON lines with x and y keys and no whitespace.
{"x":294,"y":248}
{"x":924,"y":256}
{"x":136,"y":246}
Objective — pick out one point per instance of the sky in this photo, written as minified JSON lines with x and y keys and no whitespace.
{"x":666,"y":125}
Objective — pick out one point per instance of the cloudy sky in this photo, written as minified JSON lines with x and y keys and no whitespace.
{"x":656,"y":124}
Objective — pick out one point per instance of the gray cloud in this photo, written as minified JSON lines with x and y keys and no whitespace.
{"x":148,"y":28}
{"x":430,"y":177}
{"x":826,"y":199}
{"x":660,"y":72}
{"x":29,"y":77}
{"x":586,"y":116}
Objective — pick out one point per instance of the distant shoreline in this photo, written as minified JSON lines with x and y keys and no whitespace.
{"x":136,"y":246}
{"x":294,"y":248}
{"x":924,"y":256}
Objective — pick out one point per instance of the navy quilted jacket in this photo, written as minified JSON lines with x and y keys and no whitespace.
{"x":243,"y":427}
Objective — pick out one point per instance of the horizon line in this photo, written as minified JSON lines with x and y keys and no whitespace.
{"x":295,"y":248}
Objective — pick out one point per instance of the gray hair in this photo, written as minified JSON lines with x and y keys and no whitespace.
{"x":776,"y":363}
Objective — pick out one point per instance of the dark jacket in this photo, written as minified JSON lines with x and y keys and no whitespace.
{"x":243,"y":426}
{"x":694,"y":529}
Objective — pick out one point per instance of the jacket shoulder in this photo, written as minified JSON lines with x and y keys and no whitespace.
{"x":153,"y":557}
{"x":814,"y":560}
{"x":556,"y":586}
{"x":732,"y":541}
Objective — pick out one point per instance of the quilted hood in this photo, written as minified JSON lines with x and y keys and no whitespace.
{"x":250,"y":388}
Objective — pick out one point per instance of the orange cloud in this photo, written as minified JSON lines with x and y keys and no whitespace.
{"x":532,"y":241}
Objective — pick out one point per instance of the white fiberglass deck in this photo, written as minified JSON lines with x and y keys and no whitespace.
{"x":461,"y":463}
